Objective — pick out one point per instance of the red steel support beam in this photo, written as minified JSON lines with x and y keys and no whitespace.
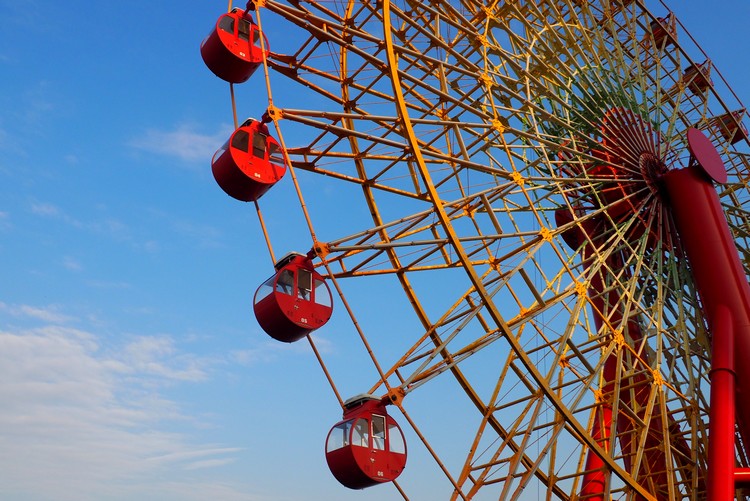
{"x":725,"y":296}
{"x":742,"y":478}
{"x":721,"y":469}
{"x":716,"y":267}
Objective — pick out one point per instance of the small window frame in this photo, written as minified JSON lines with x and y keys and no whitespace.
{"x":378,"y":431}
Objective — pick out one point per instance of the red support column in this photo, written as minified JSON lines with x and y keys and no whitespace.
{"x":721,"y":462}
{"x":596,"y":477}
{"x":725,"y":296}
{"x":716,"y":268}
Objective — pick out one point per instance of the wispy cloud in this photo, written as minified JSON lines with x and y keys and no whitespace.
{"x":47,"y":314}
{"x":205,"y":235}
{"x":198,"y":458}
{"x":4,"y":220}
{"x":52,"y":211}
{"x":5,"y":141}
{"x":182,"y":142}
{"x":87,"y":416}
{"x":202,"y":235}
{"x":40,"y":102}
{"x":106,"y":226}
{"x":17,"y":15}
{"x":72,"y":264}
{"x":158,"y":356}
{"x":45,"y":209}
{"x":208,"y":463}
{"x":101,"y":284}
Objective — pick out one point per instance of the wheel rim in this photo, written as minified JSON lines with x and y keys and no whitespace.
{"x":487,"y":126}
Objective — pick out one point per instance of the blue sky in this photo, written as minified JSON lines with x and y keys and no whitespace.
{"x":131,"y":366}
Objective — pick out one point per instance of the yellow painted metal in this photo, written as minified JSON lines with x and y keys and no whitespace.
{"x":463,"y":128}
{"x":474,"y":276}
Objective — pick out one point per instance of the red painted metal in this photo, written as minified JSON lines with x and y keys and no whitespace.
{"x":608,"y":309}
{"x":627,"y":155}
{"x":721,"y":456}
{"x":742,"y":478}
{"x":664,"y":30}
{"x":634,"y":388}
{"x":594,"y":483}
{"x":717,"y":270}
{"x":704,"y":152}
{"x":698,"y":77}
{"x":367,"y":446}
{"x":249,"y":163}
{"x":232,"y":51}
{"x":294,"y":302}
{"x":730,"y":126}
{"x":725,"y":295}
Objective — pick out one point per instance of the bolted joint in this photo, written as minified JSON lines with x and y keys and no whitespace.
{"x":321,"y":249}
{"x":255,"y":4}
{"x":272,"y":114}
{"x":394,"y":397}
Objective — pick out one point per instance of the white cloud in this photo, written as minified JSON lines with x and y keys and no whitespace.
{"x":204,"y":235}
{"x":83,"y":419}
{"x":5,"y":140}
{"x":191,"y":455}
{"x":109,"y":227}
{"x":199,"y":458}
{"x":48,"y":314}
{"x":183,"y":142}
{"x":4,"y":220}
{"x":71,"y":264}
{"x":208,"y":463}
{"x":147,"y":355}
{"x":100,"y":284}
{"x":44,"y":209}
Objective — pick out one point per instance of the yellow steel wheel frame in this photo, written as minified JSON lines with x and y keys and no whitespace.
{"x":497,"y":164}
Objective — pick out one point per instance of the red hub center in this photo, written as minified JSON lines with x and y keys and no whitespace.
{"x":620,"y":175}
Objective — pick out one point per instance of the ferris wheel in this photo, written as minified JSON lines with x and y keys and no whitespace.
{"x":504,"y":181}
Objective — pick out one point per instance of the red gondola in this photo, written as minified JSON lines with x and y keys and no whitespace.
{"x":698,"y":77}
{"x":249,"y":163}
{"x":731,"y":127}
{"x":294,"y":301}
{"x":367,"y":447}
{"x":233,"y":49}
{"x":664,"y":30}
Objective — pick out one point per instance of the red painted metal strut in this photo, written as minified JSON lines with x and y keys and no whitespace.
{"x":721,"y":423}
{"x":725,"y":296}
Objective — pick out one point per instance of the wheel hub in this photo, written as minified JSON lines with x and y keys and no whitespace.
{"x":622,"y":181}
